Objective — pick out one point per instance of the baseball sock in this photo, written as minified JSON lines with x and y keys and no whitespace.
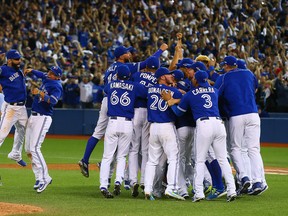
{"x":91,"y":143}
{"x":217,"y":172}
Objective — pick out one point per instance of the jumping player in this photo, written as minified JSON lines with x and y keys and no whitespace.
{"x":13,"y":109}
{"x":40,"y":121}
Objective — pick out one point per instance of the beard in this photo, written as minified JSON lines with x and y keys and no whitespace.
{"x":16,"y":66}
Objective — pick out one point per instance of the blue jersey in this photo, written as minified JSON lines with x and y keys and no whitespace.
{"x":121,"y":96}
{"x":13,"y":84}
{"x":158,"y":109}
{"x":147,"y":79}
{"x":237,"y":92}
{"x":53,"y":88}
{"x":203,"y":102}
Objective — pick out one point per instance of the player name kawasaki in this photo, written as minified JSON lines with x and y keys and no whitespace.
{"x":203,"y":90}
{"x":121,"y":85}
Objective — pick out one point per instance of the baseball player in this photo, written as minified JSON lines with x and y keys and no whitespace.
{"x":40,"y":120}
{"x":13,"y":109}
{"x":123,"y":56}
{"x":237,"y":90}
{"x":141,"y":126}
{"x":121,"y":95}
{"x":210,"y":130}
{"x":162,"y":135}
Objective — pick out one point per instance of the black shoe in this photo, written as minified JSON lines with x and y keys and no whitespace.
{"x":135,"y":192}
{"x":106,"y":193}
{"x":117,"y":188}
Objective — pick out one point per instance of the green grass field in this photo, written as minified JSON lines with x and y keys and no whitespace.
{"x":72,"y":194}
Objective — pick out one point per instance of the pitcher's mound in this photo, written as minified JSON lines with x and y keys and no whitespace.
{"x":11,"y":208}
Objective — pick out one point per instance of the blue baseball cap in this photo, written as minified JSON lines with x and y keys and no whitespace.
{"x":183,"y":86}
{"x":184,"y":62}
{"x":178,"y":75}
{"x":13,"y":54}
{"x":161,"y":72}
{"x":198,"y":66}
{"x":202,"y":77}
{"x":229,"y":60}
{"x":153,"y":62}
{"x":56,"y":70}
{"x":123,"y":72}
{"x":241,"y":64}
{"x":121,"y":50}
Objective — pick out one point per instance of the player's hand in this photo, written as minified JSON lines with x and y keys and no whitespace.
{"x":164,"y":47}
{"x":35,"y":91}
{"x":28,"y":70}
{"x":166,"y":95}
{"x":212,"y":62}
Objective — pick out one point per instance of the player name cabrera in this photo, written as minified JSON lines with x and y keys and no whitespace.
{"x":203,"y":90}
{"x":121,"y":85}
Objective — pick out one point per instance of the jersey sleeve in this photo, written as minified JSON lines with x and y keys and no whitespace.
{"x":38,"y":74}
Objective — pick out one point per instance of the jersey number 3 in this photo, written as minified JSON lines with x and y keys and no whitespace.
{"x":208,"y":102}
{"x":124,"y":99}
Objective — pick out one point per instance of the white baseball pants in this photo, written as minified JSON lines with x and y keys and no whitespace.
{"x":162,"y":140}
{"x":117,"y":137}
{"x":13,"y":115}
{"x":211,"y":132}
{"x":36,"y":130}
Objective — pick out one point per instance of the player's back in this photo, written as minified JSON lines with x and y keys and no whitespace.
{"x":121,"y":97}
{"x":158,"y":110}
{"x":238,"y":92}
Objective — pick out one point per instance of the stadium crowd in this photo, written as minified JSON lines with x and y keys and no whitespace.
{"x":81,"y":36}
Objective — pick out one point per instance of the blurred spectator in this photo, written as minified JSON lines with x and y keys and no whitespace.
{"x":71,"y":93}
{"x":86,"y":95}
{"x":97,"y":92}
{"x":281,"y":88}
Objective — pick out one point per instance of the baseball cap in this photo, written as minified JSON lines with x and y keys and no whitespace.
{"x":198,"y":66}
{"x":202,"y":58}
{"x":56,"y":70}
{"x":123,"y":72}
{"x":13,"y":54}
{"x":153,"y":62}
{"x":161,"y":72}
{"x":183,"y":86}
{"x":184,"y":62}
{"x":178,"y":75}
{"x":241,"y":64}
{"x":121,"y":50}
{"x":2,"y":51}
{"x":202,"y":77}
{"x":229,"y":60}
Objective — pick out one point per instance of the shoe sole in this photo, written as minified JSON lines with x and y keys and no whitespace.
{"x":44,"y":188}
{"x":245,"y":187}
{"x":220,"y":195}
{"x":107,"y":194}
{"x":231,"y":199}
{"x":175,"y":196}
{"x":264,"y":189}
{"x":198,"y":199}
{"x":135,"y":192}
{"x":82,"y":169}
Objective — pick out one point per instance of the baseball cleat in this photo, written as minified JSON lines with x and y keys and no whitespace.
{"x":216,"y":194}
{"x":135,"y":191}
{"x":149,"y":197}
{"x":245,"y":184}
{"x":174,"y":195}
{"x":106,"y":193}
{"x":117,"y":188}
{"x":231,"y":198}
{"x":43,"y":186}
{"x":21,"y":163}
{"x":36,"y":185}
{"x":264,"y":188}
{"x":142,"y":188}
{"x":185,"y":196}
{"x":197,"y":199}
{"x":256,"y":189}
{"x":84,"y":168}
